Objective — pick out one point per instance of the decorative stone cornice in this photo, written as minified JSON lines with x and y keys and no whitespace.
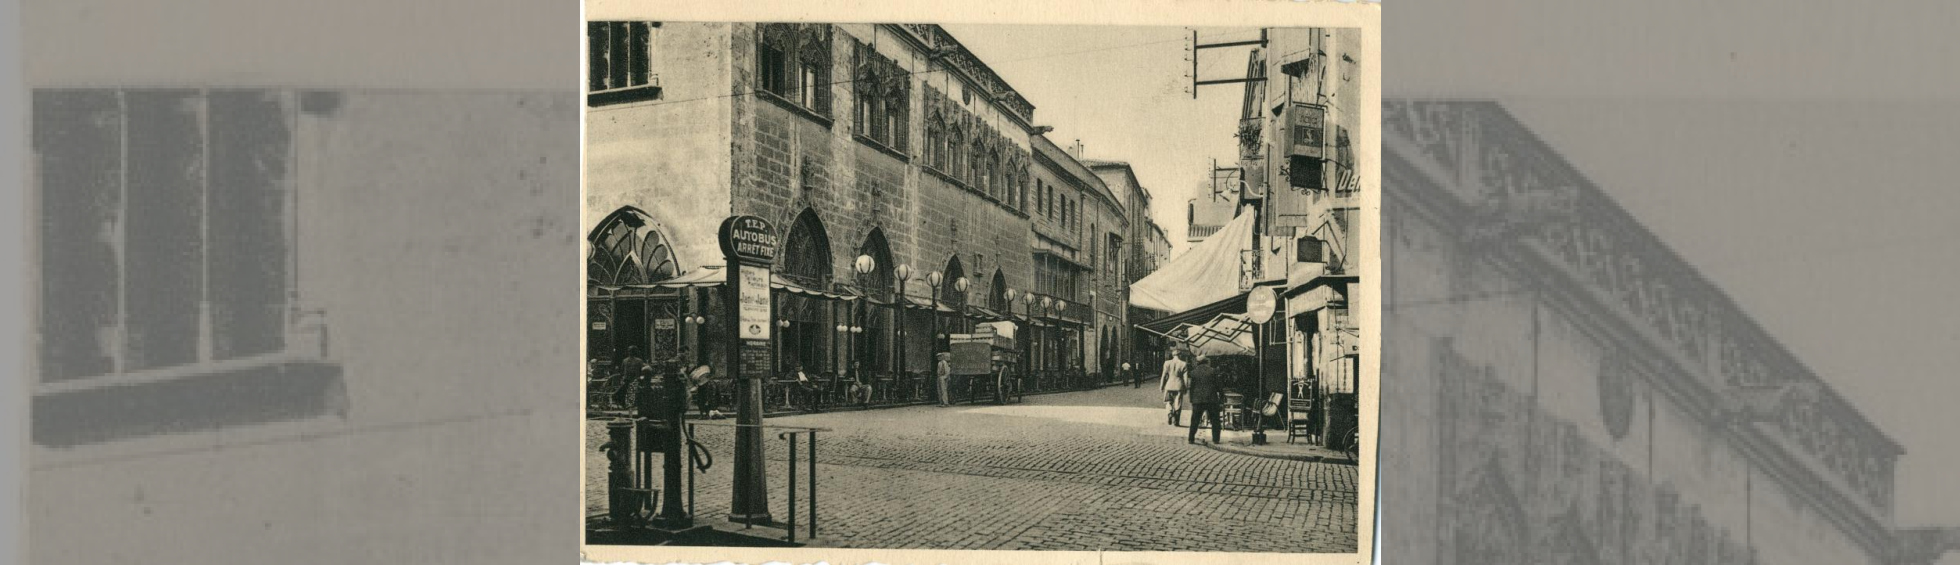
{"x":951,"y":53}
{"x":1520,"y":193}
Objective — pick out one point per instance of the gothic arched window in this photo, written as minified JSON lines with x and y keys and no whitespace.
{"x":806,"y":253}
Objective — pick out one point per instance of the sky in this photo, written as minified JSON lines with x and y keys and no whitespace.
{"x":1804,"y":163}
{"x":1124,"y":92}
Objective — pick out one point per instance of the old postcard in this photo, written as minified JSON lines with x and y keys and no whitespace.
{"x":896,"y":287}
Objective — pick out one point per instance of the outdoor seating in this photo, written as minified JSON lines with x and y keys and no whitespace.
{"x":1299,"y":416}
{"x":881,"y":388}
{"x":1233,"y":411}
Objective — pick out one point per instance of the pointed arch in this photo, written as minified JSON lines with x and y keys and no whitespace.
{"x":629,"y":248}
{"x":948,"y":291}
{"x":806,"y":255}
{"x":880,"y":280}
{"x":997,"y":292}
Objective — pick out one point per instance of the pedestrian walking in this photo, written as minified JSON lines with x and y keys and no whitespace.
{"x":1173,"y":387}
{"x":1136,"y":379}
{"x":945,"y":370}
{"x":1207,"y":392}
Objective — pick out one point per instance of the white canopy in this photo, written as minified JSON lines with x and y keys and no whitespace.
{"x":1206,"y":273}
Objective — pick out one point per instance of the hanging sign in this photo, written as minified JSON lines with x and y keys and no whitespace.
{"x":1308,"y":130}
{"x":748,"y":239}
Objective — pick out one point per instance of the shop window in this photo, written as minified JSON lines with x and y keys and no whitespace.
{"x":619,"y":62}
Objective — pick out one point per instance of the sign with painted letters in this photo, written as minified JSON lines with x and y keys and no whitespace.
{"x":753,"y":313}
{"x":748,"y":239}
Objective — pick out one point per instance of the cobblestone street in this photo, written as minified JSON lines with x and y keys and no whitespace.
{"x":1095,"y":470}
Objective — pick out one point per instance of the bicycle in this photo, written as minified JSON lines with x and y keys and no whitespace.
{"x":1352,"y":447}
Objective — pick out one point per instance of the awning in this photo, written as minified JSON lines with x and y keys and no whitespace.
{"x":1234,"y":304}
{"x":917,"y":303}
{"x":1228,"y":334}
{"x":985,"y":313}
{"x":1205,"y":274}
{"x":1318,"y":293}
{"x":717,"y":276}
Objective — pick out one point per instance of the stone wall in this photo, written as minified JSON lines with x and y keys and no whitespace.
{"x":669,"y":157}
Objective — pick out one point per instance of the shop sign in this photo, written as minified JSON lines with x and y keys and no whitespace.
{"x":748,"y":239}
{"x":1260,"y":303}
{"x":599,"y":325}
{"x":753,"y":312}
{"x":663,"y":324}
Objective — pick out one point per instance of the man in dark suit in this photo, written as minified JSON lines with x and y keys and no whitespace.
{"x":1207,"y":392}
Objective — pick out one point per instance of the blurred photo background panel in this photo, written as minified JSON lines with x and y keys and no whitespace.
{"x":299,"y":277}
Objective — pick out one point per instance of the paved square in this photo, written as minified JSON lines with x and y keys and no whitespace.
{"x":1095,"y":470}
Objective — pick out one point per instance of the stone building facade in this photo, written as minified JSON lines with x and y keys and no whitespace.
{"x":1145,"y":248}
{"x":892,"y":142}
{"x":1080,"y":230}
{"x":1567,"y":388}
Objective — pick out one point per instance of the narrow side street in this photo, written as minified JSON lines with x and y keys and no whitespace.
{"x":1093,"y":470}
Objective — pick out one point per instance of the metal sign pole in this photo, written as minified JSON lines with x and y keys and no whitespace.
{"x":749,"y":244}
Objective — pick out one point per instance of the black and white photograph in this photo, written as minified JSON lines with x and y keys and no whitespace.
{"x":924,"y":286}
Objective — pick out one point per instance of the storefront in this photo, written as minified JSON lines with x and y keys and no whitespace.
{"x":625,"y":312}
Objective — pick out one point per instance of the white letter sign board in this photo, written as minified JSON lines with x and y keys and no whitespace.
{"x":754,"y":314}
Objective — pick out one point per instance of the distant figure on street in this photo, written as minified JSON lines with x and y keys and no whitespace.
{"x":860,"y":387}
{"x":1173,"y":387}
{"x":1207,"y":393}
{"x":945,"y":372}
{"x":707,"y":392}
{"x":595,"y":369}
{"x":631,"y":371}
{"x":1136,"y":379}
{"x":809,"y":389}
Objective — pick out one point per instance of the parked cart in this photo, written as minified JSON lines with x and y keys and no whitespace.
{"x":984,"y":362}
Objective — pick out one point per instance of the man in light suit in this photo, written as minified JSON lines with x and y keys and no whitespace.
{"x":1172,"y":386}
{"x":945,"y":370}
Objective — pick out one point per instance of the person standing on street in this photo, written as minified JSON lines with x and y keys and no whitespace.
{"x":1136,"y":379}
{"x":945,"y":370}
{"x":1207,"y":393}
{"x":1173,"y":387}
{"x":631,"y":371}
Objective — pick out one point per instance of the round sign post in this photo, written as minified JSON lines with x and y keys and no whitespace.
{"x":1260,"y":303}
{"x":749,"y":244}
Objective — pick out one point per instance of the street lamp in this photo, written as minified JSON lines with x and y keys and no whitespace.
{"x":864,"y":265}
{"x":699,"y":323}
{"x":1102,"y":363}
{"x":904,"y":274}
{"x":932,"y":280}
{"x":960,"y":285}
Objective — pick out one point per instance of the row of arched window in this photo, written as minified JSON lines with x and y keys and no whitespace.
{"x":960,"y":147}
